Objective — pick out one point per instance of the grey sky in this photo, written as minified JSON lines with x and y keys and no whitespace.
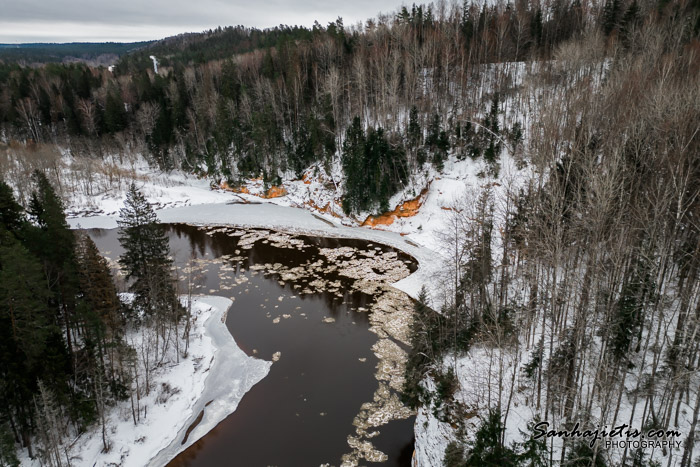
{"x":134,"y":20}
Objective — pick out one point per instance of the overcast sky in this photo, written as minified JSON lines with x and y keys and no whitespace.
{"x":137,"y":20}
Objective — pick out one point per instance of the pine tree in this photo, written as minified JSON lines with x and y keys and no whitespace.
{"x":102,"y":321}
{"x":629,"y":22}
{"x":611,"y":16}
{"x":493,"y":149}
{"x":433,"y":132}
{"x":424,"y":348}
{"x":97,"y":285}
{"x":8,"y":455}
{"x":25,"y":328}
{"x":353,"y":159}
{"x":534,"y":453}
{"x":582,"y":454}
{"x":414,"y":132}
{"x":54,"y":244}
{"x":115,"y":114}
{"x":23,"y":299}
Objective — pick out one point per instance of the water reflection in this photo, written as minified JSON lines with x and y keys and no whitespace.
{"x":303,"y":411}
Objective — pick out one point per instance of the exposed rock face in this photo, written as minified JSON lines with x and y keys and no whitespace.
{"x":407,"y":209}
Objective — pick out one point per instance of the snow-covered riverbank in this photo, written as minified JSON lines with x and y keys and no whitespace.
{"x":230,"y":376}
{"x":215,"y":370}
{"x":418,"y":237}
{"x":269,"y":216}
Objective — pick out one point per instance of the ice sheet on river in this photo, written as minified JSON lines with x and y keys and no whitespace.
{"x":231,"y":376}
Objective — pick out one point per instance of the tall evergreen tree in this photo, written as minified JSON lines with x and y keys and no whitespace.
{"x":487,"y":448}
{"x":11,"y":213}
{"x":611,"y":16}
{"x":53,"y":243}
{"x":353,"y":158}
{"x":97,"y":286}
{"x":145,"y":259}
{"x":30,"y":343}
{"x":115,"y":118}
{"x":414,"y":132}
{"x":8,"y":455}
{"x":534,"y":451}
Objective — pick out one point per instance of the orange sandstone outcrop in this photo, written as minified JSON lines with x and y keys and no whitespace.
{"x":407,"y":209}
{"x":275,"y":192}
{"x":327,"y":209}
{"x":235,"y":189}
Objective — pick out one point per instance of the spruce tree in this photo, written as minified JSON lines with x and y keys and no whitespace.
{"x":145,"y":259}
{"x":611,"y":16}
{"x":487,"y":448}
{"x":101,"y":317}
{"x":8,"y":456}
{"x":53,"y":243}
{"x":11,"y":213}
{"x":115,"y":117}
{"x":97,"y":285}
{"x":493,"y":150}
{"x":534,"y":451}
{"x":425,"y":349}
{"x":414,"y":129}
{"x":353,"y":166}
{"x":31,"y":345}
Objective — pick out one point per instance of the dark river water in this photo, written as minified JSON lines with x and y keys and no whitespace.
{"x":302,"y":412}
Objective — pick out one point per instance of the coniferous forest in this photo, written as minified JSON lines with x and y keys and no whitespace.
{"x":64,"y":357}
{"x":575,"y":294}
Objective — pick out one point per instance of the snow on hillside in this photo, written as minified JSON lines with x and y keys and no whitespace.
{"x":107,"y":194}
{"x":424,"y":212}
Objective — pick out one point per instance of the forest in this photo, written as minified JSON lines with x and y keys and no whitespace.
{"x":37,"y":53}
{"x":289,"y":101}
{"x":65,"y":358}
{"x":572,"y":291}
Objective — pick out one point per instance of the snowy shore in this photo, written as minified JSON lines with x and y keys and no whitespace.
{"x":270,"y":215}
{"x":215,"y":370}
{"x":231,"y":375}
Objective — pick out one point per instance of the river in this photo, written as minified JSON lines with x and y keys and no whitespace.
{"x":315,"y":307}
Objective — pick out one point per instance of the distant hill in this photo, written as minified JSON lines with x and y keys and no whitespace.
{"x":96,"y":53}
{"x":214,"y":44}
{"x":184,"y":48}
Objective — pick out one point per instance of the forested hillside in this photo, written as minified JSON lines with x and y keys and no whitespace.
{"x":289,"y":102}
{"x":31,"y":54}
{"x":70,"y":348}
{"x":570,"y":288}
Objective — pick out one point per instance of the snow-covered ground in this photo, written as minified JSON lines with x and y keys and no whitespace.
{"x":419,"y":236}
{"x":215,"y":370}
{"x":162,"y":191}
{"x":230,"y":376}
{"x":301,"y":210}
{"x":182,"y":199}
